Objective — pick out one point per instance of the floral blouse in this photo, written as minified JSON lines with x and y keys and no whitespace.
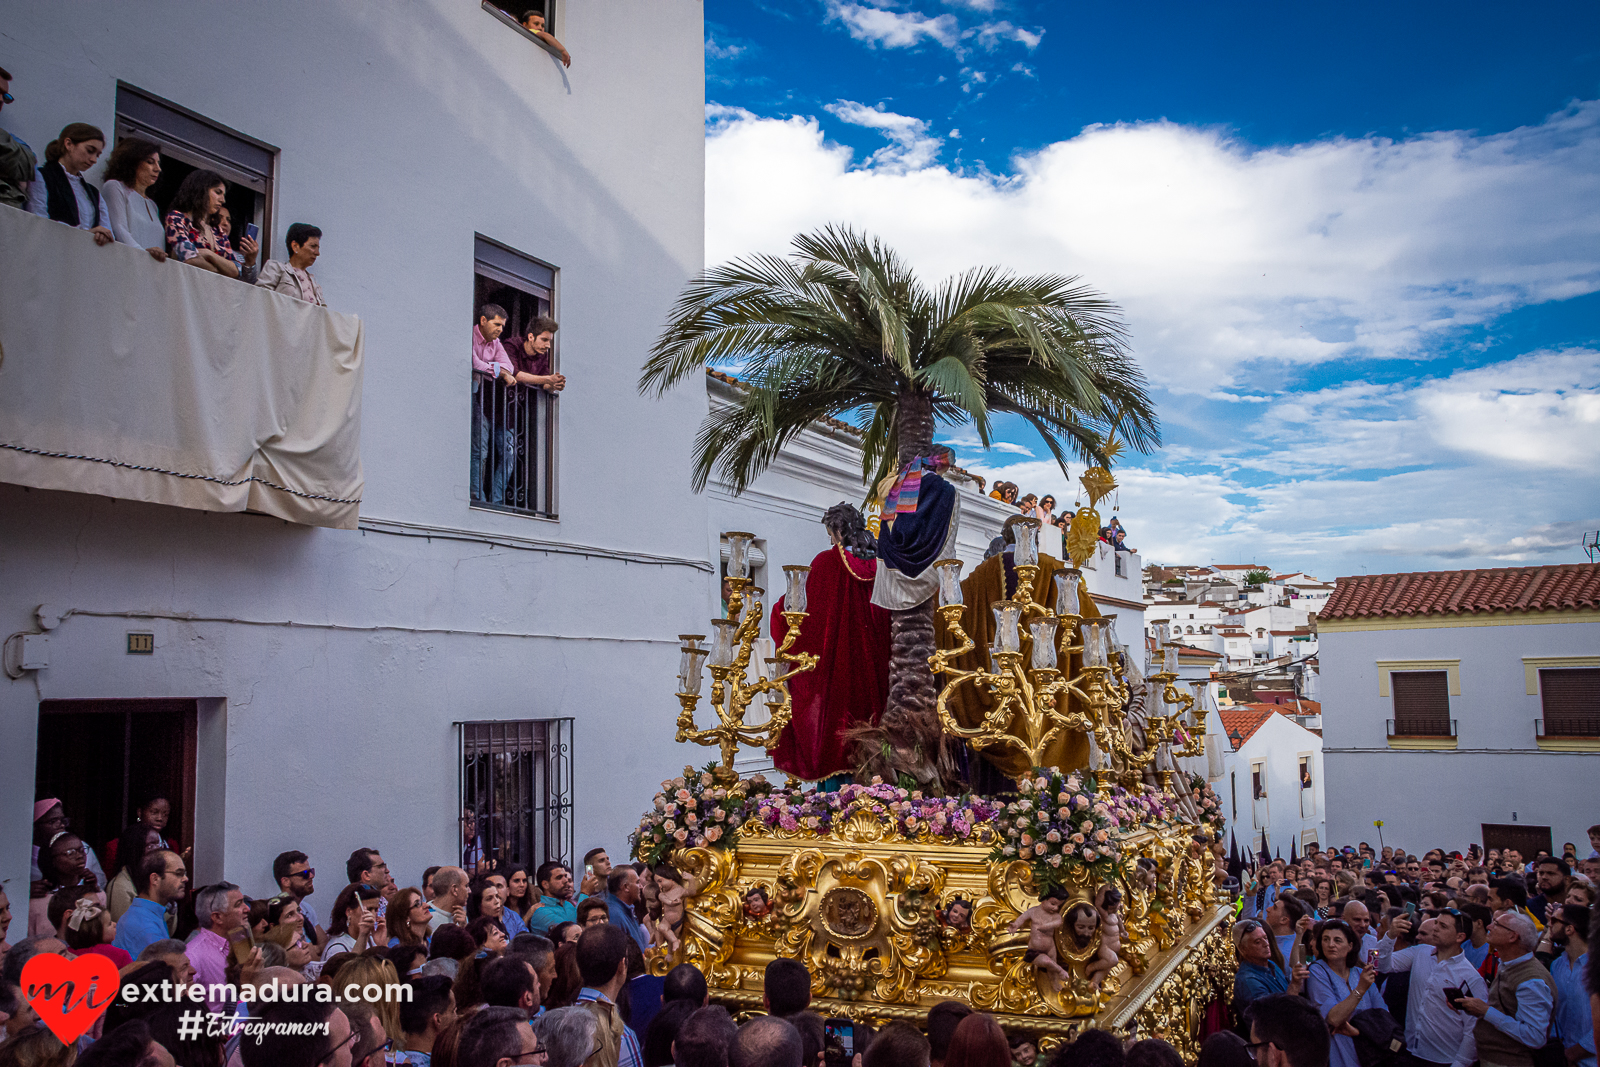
{"x":185,"y":240}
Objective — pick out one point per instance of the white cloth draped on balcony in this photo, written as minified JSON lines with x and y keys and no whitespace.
{"x":160,"y":382}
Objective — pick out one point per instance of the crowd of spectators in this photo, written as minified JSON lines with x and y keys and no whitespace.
{"x":500,"y":966}
{"x":196,"y":228}
{"x":1466,"y":956}
{"x":1044,"y":509}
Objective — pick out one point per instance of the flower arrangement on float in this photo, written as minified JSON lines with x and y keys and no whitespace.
{"x":1054,"y":821}
{"x":694,"y":810}
{"x":1209,"y":803}
{"x":1060,"y":822}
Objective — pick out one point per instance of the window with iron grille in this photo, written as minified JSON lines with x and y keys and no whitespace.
{"x":514,"y":425}
{"x":1571,"y":699}
{"x":516,"y":793}
{"x":1421,"y":703}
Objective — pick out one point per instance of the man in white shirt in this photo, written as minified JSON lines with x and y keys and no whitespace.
{"x":1435,"y":1032}
{"x":1360,"y":919}
{"x":449,"y":903}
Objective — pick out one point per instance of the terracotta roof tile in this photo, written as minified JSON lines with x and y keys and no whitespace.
{"x":1563,"y":587}
{"x":1248,"y":718}
{"x":1243,"y":719}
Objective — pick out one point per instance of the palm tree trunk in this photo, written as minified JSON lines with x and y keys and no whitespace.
{"x":908,"y":739}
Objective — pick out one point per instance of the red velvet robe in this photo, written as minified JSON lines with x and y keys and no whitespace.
{"x":850,"y":683}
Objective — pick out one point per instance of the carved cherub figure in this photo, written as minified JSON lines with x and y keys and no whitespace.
{"x":1108,"y":902}
{"x":671,"y":889}
{"x":1042,"y":921}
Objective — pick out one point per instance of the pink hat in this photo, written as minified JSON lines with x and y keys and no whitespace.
{"x":42,"y":806}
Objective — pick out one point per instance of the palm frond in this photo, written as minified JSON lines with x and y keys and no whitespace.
{"x":842,"y":326}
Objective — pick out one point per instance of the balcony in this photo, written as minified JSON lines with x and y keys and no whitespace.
{"x":163,"y":383}
{"x":1421,"y":733}
{"x":1569,"y":733}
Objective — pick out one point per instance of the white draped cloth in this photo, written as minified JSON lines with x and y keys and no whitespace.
{"x":128,"y":378}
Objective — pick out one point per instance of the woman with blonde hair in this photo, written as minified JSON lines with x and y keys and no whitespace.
{"x":356,"y":981}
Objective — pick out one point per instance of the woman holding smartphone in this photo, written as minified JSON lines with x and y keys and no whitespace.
{"x":1341,"y":984}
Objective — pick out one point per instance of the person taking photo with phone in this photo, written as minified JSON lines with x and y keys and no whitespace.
{"x":1441,"y":976}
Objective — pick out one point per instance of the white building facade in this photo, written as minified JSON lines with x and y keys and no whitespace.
{"x":1461,"y":707}
{"x":291,"y":686}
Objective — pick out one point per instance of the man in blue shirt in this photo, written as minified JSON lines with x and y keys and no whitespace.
{"x":1259,"y":974}
{"x":558,"y":901}
{"x":622,"y":895}
{"x":1573,"y":1024}
{"x":162,"y":880}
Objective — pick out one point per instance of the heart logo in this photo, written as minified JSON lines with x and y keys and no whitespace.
{"x":69,"y":996}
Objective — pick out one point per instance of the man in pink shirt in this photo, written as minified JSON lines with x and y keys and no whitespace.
{"x":489,"y":361}
{"x":222,"y":910}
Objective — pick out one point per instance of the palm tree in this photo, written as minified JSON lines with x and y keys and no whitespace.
{"x":843,"y":329}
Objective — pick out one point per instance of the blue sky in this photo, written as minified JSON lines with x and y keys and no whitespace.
{"x":1358,"y":247}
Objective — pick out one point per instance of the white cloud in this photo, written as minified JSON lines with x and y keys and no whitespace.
{"x":971,"y":443}
{"x":910,"y":145}
{"x":714,"y":50}
{"x":1320,"y":480}
{"x":1226,"y":257}
{"x":878,"y":27}
{"x":992,"y":35}
{"x":1239,"y":268}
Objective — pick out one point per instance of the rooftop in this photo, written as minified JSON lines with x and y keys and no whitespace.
{"x":1564,"y":587}
{"x":1246,"y":719}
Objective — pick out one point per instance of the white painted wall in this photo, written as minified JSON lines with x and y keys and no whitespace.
{"x":1288,"y":813}
{"x":333,"y":663}
{"x":1496,"y":775}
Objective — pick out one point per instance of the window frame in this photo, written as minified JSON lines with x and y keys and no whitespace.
{"x":195,"y":140}
{"x":535,"y":278}
{"x":551,"y":25}
{"x":477,"y":737}
{"x":1545,"y":719}
{"x":1405,"y":722}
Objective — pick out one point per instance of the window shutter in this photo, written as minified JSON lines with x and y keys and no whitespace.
{"x":1421,"y":703}
{"x":1571,"y":699}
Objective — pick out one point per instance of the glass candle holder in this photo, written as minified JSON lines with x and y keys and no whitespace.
{"x":1160,"y":630}
{"x":949,"y":572}
{"x":1044,"y":644}
{"x":738,"y":553}
{"x":1169,"y":659}
{"x":1026,"y":532}
{"x":794,"y":597}
{"x":1111,"y":632}
{"x":691,"y":658}
{"x":1094,"y":646}
{"x":722,"y":642}
{"x":1007,"y":616}
{"x":1067,"y":580}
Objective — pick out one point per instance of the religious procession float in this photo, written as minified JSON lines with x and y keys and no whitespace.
{"x":1043,"y":858}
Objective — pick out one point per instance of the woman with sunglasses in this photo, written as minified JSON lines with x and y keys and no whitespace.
{"x":1340,"y":984}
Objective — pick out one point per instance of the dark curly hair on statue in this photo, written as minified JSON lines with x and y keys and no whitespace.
{"x":845,"y":521}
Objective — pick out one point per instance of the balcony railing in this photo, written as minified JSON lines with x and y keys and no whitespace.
{"x":1421,"y":727}
{"x":511,"y":462}
{"x":1568,"y":726}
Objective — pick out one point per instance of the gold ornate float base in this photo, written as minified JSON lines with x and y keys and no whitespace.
{"x":865,"y":910}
